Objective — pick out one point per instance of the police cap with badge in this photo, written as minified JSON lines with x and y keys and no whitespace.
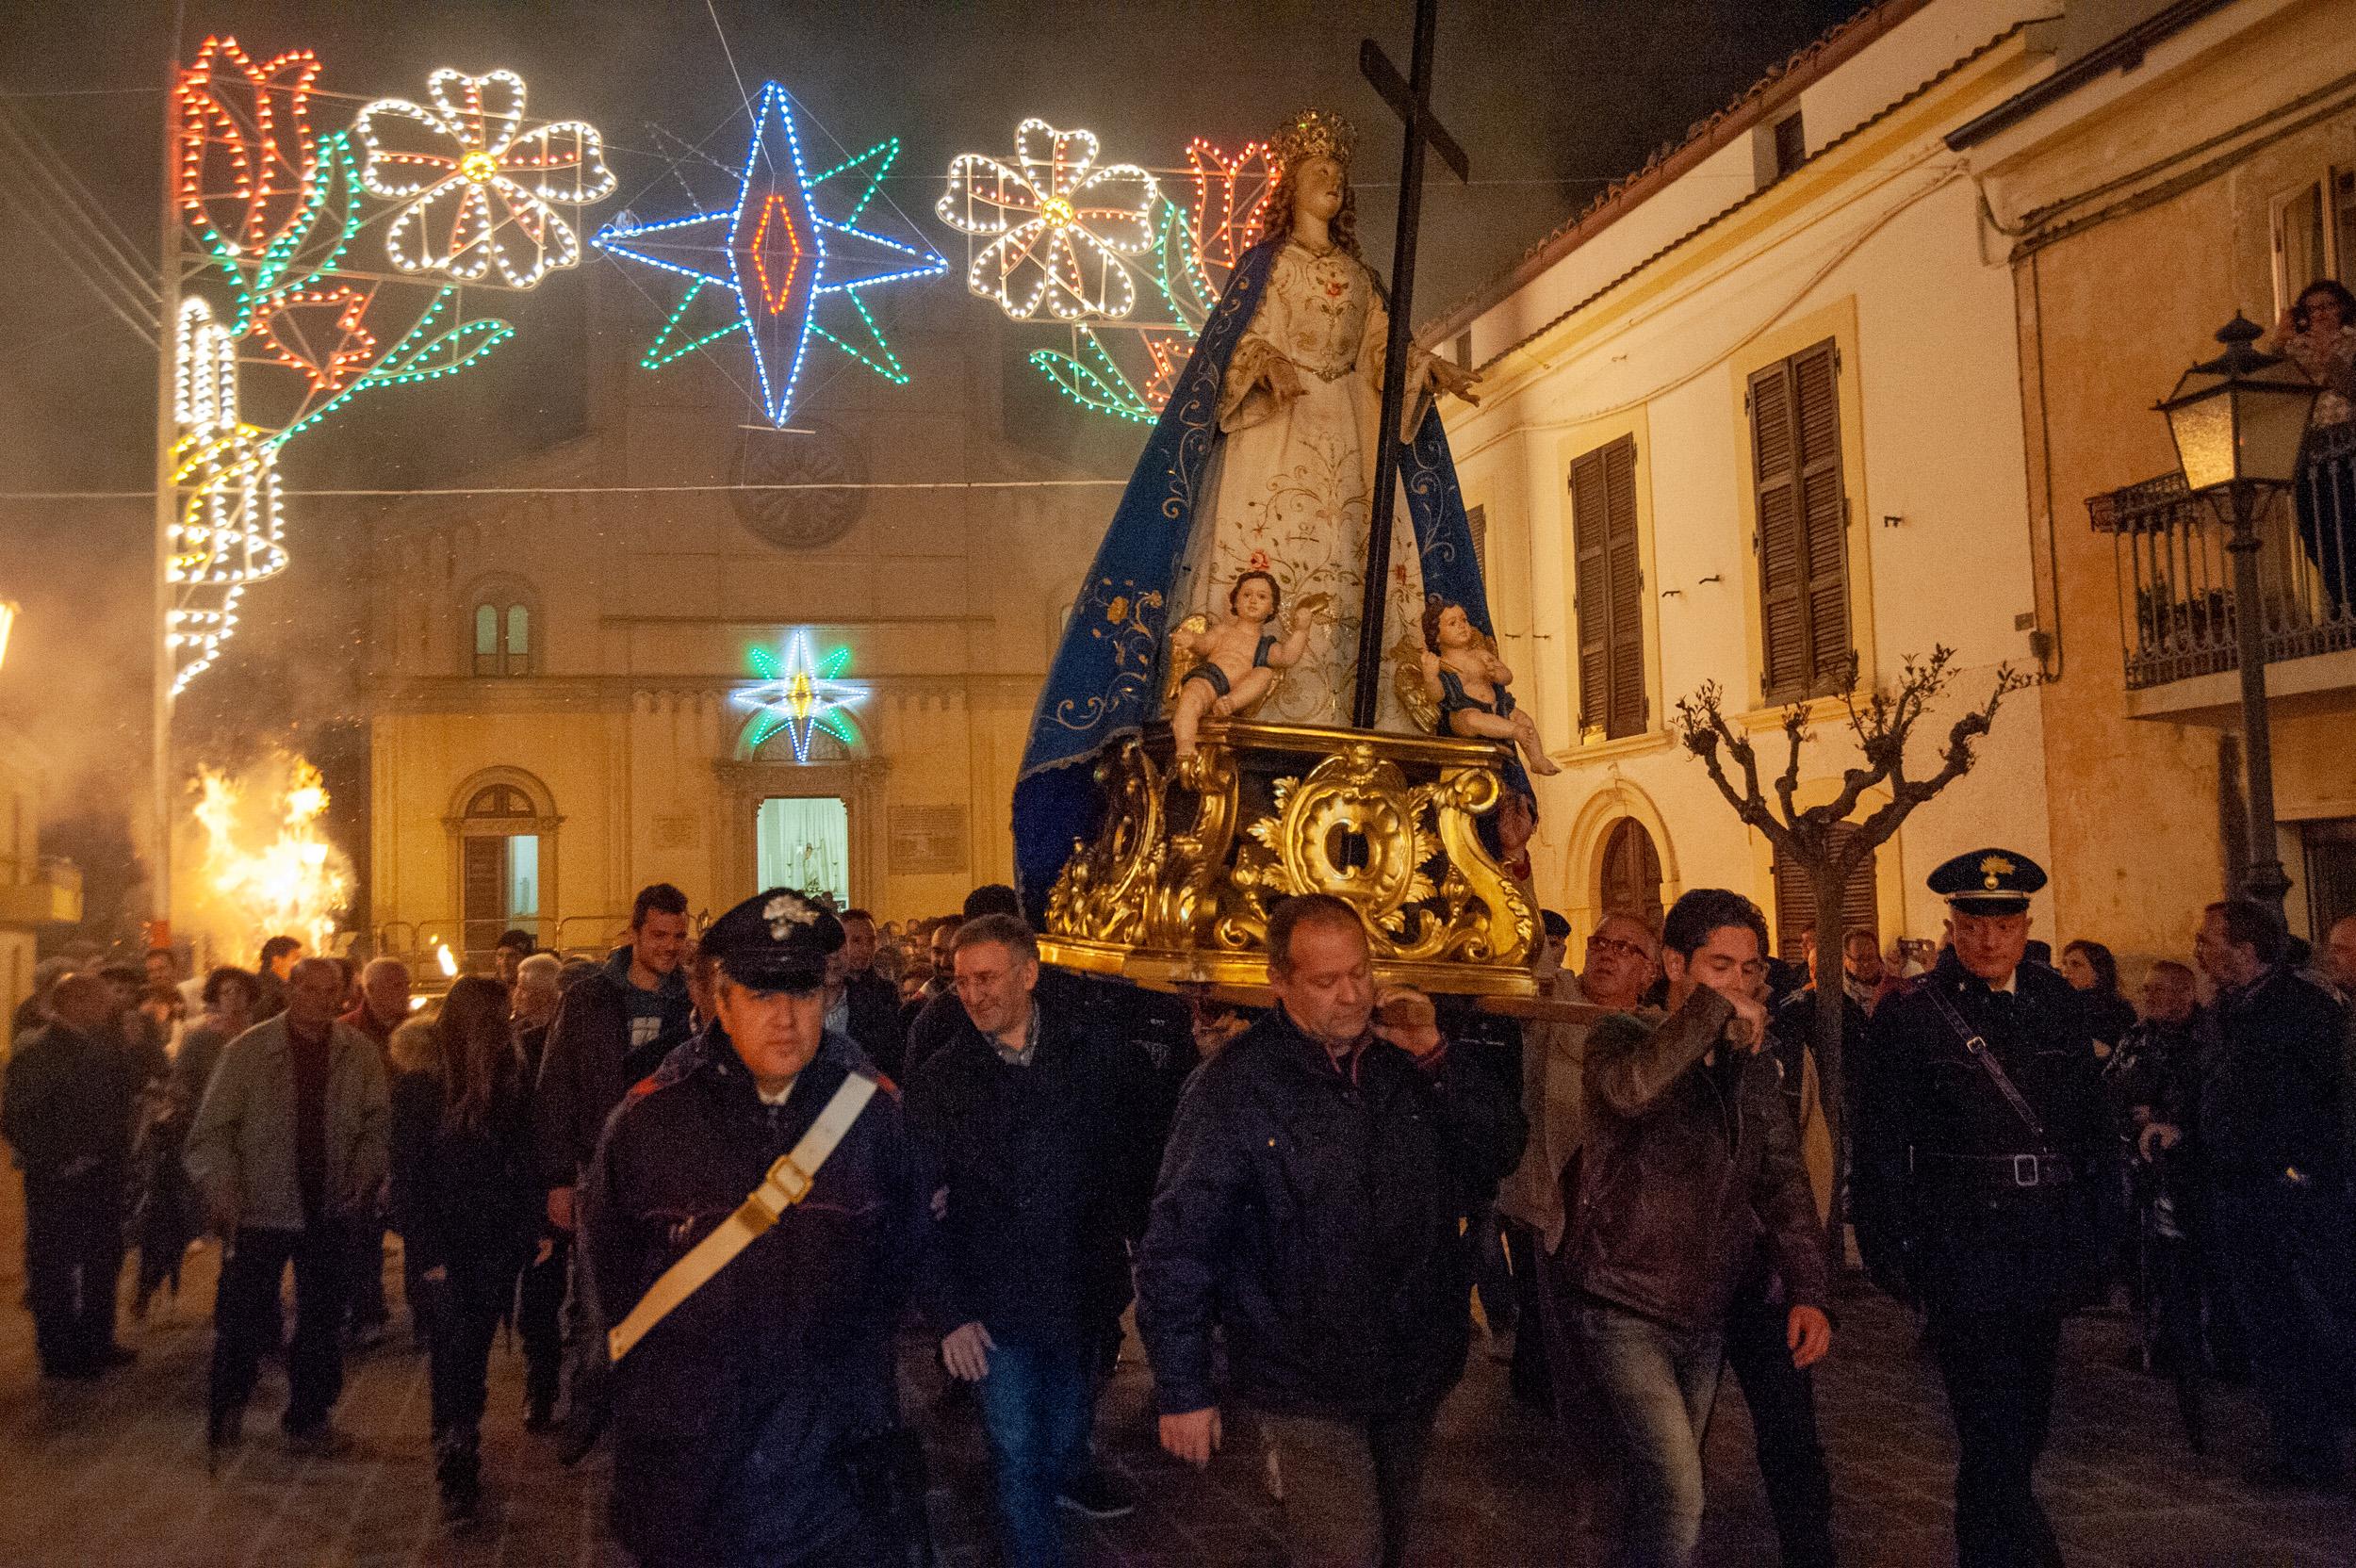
{"x":1987,"y":882}
{"x":776,"y":941}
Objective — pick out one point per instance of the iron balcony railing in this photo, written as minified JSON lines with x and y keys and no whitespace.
{"x":2175,"y":581}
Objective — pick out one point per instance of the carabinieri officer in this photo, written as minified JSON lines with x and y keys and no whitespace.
{"x":754,"y":1414}
{"x":1977,"y":1143}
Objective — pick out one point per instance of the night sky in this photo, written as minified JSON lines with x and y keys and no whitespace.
{"x":1550,"y":100}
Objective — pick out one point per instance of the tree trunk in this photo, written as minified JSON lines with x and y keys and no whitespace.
{"x":1827,"y":883}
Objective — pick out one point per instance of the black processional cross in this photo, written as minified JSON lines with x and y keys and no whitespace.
{"x":1411,"y":100}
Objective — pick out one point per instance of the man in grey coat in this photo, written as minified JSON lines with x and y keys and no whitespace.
{"x":289,"y":1145}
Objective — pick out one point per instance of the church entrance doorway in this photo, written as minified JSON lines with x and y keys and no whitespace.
{"x":804,"y":842}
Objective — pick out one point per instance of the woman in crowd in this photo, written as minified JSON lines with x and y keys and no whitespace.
{"x":465,"y":1204}
{"x":2089,"y":966}
{"x":2318,"y":333}
{"x":169,"y":1211}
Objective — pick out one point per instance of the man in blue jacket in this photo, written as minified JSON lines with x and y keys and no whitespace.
{"x":1314,"y":1203}
{"x":1034,"y":1119}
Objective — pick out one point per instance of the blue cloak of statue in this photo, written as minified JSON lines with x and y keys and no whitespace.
{"x":1107,"y":673}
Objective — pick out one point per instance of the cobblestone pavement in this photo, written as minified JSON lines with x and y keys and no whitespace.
{"x":114,"y":1473}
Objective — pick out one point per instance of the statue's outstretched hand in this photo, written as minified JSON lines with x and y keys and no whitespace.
{"x":1283,"y":378}
{"x":1447,"y":376}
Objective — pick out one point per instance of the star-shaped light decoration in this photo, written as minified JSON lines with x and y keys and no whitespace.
{"x":795,"y":272}
{"x":799,"y":694}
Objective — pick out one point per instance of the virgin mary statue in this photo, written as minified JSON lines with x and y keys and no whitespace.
{"x":1263,"y":461}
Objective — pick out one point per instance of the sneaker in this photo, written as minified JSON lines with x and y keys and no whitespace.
{"x":1097,"y":1492}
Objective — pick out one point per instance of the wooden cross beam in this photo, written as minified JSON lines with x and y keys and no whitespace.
{"x":1411,"y":100}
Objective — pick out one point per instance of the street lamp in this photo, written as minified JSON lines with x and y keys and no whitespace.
{"x":2238,"y":421}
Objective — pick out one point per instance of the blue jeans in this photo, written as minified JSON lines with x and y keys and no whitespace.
{"x":1657,"y":1385}
{"x":1035,"y":1411}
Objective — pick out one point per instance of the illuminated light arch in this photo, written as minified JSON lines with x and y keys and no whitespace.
{"x":1059,"y":228}
{"x":796,"y":274}
{"x":798,"y":694}
{"x":231,"y":529}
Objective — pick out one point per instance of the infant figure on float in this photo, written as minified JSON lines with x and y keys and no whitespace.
{"x":1238,"y":655}
{"x":1468,"y":684}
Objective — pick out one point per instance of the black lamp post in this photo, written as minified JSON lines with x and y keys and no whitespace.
{"x":2238,"y":421}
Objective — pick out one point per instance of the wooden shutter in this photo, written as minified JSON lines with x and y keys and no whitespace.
{"x":1610,"y":604}
{"x":482,"y":877}
{"x":1803,"y":524}
{"x":1795,"y":900}
{"x":1476,"y":521}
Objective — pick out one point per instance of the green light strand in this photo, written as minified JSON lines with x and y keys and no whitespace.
{"x":889,"y":149}
{"x":662,"y":352}
{"x":889,"y":365}
{"x":410,"y":360}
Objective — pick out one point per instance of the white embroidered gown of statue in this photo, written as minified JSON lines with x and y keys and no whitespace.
{"x":1291,"y":482}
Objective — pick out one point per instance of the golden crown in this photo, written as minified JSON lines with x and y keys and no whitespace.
{"x":1312,"y":133}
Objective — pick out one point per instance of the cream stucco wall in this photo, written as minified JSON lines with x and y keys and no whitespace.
{"x":1874,"y":244}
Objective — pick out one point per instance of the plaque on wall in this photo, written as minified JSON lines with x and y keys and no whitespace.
{"x":928,"y":840}
{"x":675,"y":832}
{"x":773,"y":465}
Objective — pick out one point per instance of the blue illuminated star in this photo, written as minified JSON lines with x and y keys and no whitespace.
{"x":797,"y":695}
{"x":795,"y":272}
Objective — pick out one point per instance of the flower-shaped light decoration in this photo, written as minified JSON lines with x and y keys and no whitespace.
{"x":797,"y":694}
{"x":230,"y":533}
{"x":1232,"y":196}
{"x":483,"y":192}
{"x":1059,"y":226}
{"x":286,"y":323}
{"x":247,"y":158}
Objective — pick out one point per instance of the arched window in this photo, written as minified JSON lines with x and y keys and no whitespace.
{"x":501,"y":632}
{"x":502,"y":833}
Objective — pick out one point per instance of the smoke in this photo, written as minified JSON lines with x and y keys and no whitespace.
{"x":256,"y":861}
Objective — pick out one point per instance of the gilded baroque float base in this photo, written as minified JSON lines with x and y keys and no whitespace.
{"x":1178,"y":882}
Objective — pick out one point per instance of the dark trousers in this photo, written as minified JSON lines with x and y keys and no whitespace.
{"x":1529,"y":1377}
{"x":1034,"y":1406}
{"x":2288,"y":1255}
{"x":539,"y":1323}
{"x":365,"y":1291}
{"x":1349,"y":1485}
{"x":467,"y":1305}
{"x":245,"y":1319}
{"x":72,"y":1257}
{"x":1782,"y":1400}
{"x":1997,"y":1367}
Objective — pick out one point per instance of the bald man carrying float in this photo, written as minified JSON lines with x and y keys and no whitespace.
{"x":1314,"y":1205}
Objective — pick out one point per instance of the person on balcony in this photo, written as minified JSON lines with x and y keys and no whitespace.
{"x":2318,"y":333}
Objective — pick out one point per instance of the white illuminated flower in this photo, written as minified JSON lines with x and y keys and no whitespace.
{"x":1057,"y":226}
{"x":491,"y":202}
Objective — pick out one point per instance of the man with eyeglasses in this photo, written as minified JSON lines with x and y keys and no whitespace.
{"x":1619,"y":968}
{"x":1978,"y":1139}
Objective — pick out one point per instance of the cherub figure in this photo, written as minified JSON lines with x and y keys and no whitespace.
{"x":1468,"y":683}
{"x":1238,"y":657}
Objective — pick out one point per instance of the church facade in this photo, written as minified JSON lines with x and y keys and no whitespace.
{"x":583,"y":671}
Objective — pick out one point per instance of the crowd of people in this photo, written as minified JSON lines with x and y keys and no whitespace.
{"x":716,"y":1182}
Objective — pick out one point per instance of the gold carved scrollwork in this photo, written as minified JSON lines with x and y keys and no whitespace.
{"x":1192,"y":858}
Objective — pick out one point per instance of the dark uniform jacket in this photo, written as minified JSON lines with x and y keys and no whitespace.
{"x":68,"y":1112}
{"x":2000,"y":1230}
{"x":1684,"y":1166}
{"x":732,"y":1416}
{"x":2273,"y":1082}
{"x":1322,"y":1221}
{"x":588,"y":1065}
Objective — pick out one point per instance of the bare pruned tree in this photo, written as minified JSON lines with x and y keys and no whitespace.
{"x":1813,"y":838}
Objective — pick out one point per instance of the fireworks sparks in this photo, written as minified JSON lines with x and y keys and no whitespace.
{"x":266,"y":868}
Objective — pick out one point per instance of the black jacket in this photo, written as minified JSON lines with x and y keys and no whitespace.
{"x":465,"y":1199}
{"x":588,"y":1065}
{"x":1322,"y":1221}
{"x":1048,"y":1168}
{"x":1960,"y":1233}
{"x":731,"y":1416}
{"x":68,"y":1112}
{"x":1685,"y":1166}
{"x":876,"y":1020}
{"x":2273,"y":1082}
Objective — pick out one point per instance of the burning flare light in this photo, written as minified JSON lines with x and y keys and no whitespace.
{"x":293,"y":884}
